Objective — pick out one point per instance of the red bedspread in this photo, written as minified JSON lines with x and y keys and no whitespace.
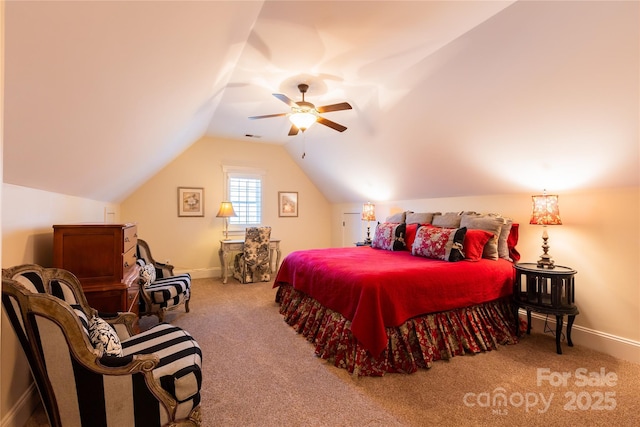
{"x":377,"y":288}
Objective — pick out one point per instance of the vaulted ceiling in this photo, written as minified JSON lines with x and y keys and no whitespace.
{"x":449,"y":98}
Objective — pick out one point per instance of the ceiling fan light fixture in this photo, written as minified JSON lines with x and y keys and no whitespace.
{"x":303,"y":114}
{"x":303,"y":118}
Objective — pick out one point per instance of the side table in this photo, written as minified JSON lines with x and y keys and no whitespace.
{"x":228,"y":246}
{"x":547,"y":291}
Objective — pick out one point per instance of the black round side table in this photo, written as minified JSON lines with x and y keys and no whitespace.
{"x":547,"y":291}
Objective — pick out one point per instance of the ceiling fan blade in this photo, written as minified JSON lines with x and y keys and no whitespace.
{"x":332,"y":125}
{"x":285,"y":99}
{"x":268,"y":115}
{"x":293,"y":131}
{"x":334,"y":107}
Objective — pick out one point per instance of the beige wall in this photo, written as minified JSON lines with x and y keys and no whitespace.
{"x":27,"y":237}
{"x":192,"y":243}
{"x":599,"y":238}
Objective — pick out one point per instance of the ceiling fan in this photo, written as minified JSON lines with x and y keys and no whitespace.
{"x":303,"y":114}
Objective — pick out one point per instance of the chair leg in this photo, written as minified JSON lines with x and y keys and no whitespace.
{"x":161,"y":316}
{"x":186,"y":306}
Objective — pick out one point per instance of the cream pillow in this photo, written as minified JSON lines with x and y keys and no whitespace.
{"x":490,"y":223}
{"x":447,"y":220}
{"x":397,"y":218}
{"x":420,"y":217}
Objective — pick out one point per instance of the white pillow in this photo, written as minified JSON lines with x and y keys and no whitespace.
{"x":104,"y":338}
{"x":148,"y":274}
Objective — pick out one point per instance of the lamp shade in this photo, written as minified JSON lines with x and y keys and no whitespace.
{"x":226,"y":210}
{"x":368,"y":212}
{"x":545,"y":210}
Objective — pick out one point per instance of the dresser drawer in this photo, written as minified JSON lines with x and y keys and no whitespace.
{"x":128,"y":261}
{"x":130,"y":238}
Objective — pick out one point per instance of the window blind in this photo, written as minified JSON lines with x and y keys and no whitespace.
{"x":246,"y":196}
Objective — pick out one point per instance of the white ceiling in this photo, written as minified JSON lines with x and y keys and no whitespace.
{"x":449,"y":98}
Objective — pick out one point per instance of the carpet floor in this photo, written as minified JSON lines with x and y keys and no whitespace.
{"x":259,"y":372}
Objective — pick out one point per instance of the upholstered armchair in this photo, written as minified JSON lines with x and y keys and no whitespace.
{"x":254,"y":263}
{"x":90,"y":368}
{"x":160,"y":289}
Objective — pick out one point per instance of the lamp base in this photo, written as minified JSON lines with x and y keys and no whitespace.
{"x":367,"y":241}
{"x":545,"y":260}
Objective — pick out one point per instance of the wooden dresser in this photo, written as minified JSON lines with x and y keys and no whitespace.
{"x":103,"y":257}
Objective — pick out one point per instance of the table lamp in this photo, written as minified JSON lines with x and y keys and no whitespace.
{"x":226,"y":211}
{"x":545,"y":212}
{"x":368,"y":214}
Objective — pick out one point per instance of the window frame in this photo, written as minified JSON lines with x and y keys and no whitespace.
{"x":241,"y":172}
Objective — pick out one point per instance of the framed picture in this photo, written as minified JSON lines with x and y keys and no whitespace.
{"x":287,"y":203}
{"x":190,"y":201}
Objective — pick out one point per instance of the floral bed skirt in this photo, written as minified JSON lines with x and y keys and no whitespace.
{"x":412,"y":345}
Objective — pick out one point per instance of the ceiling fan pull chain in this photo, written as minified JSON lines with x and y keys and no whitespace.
{"x":304,"y":145}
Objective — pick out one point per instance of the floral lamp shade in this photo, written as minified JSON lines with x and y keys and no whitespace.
{"x":368,"y":212}
{"x":545,"y":210}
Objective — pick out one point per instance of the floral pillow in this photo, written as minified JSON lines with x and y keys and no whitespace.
{"x":390,"y":236}
{"x":148,"y":274}
{"x":439,"y":243}
{"x":104,"y":338}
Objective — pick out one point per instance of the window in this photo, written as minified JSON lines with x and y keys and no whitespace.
{"x":244,"y":191}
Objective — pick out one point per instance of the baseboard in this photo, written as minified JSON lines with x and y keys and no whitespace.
{"x":201,"y":273}
{"x":19,"y":414}
{"x":618,"y":347}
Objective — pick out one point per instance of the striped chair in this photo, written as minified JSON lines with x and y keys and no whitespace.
{"x":165,"y":291}
{"x":90,"y":368}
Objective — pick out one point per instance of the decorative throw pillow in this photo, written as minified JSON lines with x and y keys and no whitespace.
{"x":439,"y":243}
{"x":489,"y":223}
{"x":398,"y":218}
{"x":420,"y":217}
{"x":412,"y":229}
{"x":104,"y":338}
{"x":512,"y":241}
{"x":503,"y":246}
{"x":389,"y":236}
{"x":148,"y":274}
{"x":447,"y":220}
{"x":474,"y":242}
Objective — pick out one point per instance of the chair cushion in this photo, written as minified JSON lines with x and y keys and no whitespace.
{"x":170,"y":290}
{"x":180,"y":367}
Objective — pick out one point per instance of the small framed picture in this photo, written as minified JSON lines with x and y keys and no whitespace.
{"x":190,"y":201}
{"x":287,"y":203}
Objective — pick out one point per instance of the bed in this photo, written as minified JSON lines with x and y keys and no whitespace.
{"x":373,"y":311}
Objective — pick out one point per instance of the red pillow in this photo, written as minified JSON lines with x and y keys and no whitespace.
{"x":474,"y":242}
{"x":412,"y":229}
{"x":512,"y":241}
